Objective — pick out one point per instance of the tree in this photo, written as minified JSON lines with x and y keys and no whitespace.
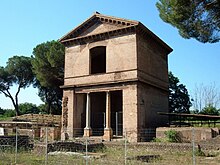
{"x":206,"y":96}
{"x":42,"y":109}
{"x":17,"y":72}
{"x":2,"y":111}
{"x":199,"y":19}
{"x":48,"y":66}
{"x":9,"y":113}
{"x":210,"y":110}
{"x":26,"y":108}
{"x":52,"y":97}
{"x":179,"y":101}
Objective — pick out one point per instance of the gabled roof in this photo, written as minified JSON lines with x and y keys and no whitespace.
{"x":119,"y":26}
{"x":98,"y":18}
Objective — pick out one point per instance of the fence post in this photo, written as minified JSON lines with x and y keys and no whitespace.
{"x":125,"y":146}
{"x":104,"y":117}
{"x":46,"y":147}
{"x":86,"y":150}
{"x":116,"y":123}
{"x":16,"y":143}
{"x":193,"y":146}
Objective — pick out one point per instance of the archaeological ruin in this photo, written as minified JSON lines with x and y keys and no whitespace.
{"x":115,"y":81}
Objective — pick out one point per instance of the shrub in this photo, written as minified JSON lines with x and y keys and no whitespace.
{"x":9,"y":113}
{"x":172,"y":136}
{"x":157,"y":140}
{"x":199,"y":151}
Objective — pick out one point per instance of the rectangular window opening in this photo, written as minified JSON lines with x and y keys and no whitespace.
{"x":98,"y":60}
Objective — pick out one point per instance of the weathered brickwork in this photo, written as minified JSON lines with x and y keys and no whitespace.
{"x":134,"y":81}
{"x":187,"y":134}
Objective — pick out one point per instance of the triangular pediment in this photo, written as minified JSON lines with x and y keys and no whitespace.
{"x":97,"y":24}
{"x":99,"y":27}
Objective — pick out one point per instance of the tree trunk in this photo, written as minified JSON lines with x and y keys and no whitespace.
{"x":48,"y":107}
{"x":14,"y":102}
{"x":17,"y":110}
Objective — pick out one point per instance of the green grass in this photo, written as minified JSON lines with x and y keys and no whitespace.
{"x":4,"y":118}
{"x":136,"y":155}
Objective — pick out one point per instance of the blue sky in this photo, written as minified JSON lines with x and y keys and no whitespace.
{"x":26,"y":23}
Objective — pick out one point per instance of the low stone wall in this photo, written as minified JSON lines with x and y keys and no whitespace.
{"x":53,"y":133}
{"x":164,"y":146}
{"x":32,"y":133}
{"x":73,"y":146}
{"x":40,"y":119}
{"x":185,"y":133}
{"x":67,"y":146}
{"x":10,"y":141}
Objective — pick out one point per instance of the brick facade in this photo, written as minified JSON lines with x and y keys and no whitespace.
{"x":135,"y":76}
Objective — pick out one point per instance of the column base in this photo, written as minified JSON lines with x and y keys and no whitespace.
{"x":87,"y":132}
{"x":64,"y":136}
{"x":108,"y":134}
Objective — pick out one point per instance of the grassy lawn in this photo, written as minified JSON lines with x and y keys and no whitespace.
{"x":112,"y":156}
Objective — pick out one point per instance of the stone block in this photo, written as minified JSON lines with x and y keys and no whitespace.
{"x":87,"y":132}
{"x":107,"y":134}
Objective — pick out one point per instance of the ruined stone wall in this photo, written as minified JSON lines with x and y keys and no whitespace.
{"x":53,"y":133}
{"x":68,"y":119}
{"x":186,"y":133}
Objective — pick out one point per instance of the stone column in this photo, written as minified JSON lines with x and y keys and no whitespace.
{"x":87,"y":129}
{"x":108,"y":131}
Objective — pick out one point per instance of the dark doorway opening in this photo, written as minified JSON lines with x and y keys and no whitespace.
{"x":81,"y":107}
{"x":117,"y":113}
{"x":98,"y":108}
{"x":98,"y":60}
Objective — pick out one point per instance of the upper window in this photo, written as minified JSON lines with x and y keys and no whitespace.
{"x":98,"y":60}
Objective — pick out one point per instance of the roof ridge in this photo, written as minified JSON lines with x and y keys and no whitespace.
{"x":117,"y":18}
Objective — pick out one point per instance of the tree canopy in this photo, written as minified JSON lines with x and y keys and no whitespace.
{"x":179,"y":101}
{"x":199,"y":19}
{"x":18,"y":71}
{"x":26,"y":108}
{"x":48,"y":66}
{"x":2,"y":111}
{"x":210,"y":110}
